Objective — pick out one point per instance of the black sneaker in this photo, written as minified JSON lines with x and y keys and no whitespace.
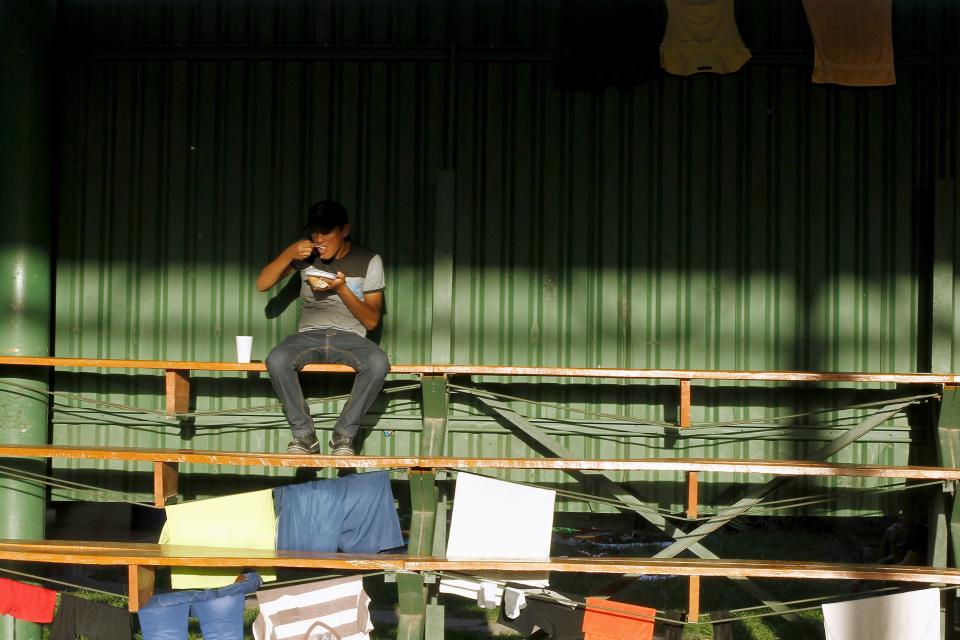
{"x":310,"y":444}
{"x":341,"y":445}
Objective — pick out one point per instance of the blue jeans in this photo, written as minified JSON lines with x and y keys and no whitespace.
{"x":327,"y":346}
{"x":220,"y":612}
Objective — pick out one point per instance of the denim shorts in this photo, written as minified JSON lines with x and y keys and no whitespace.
{"x":220,"y":611}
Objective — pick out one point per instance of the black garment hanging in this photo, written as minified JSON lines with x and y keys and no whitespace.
{"x":557,"y":620}
{"x":92,"y":620}
{"x":663,"y":630}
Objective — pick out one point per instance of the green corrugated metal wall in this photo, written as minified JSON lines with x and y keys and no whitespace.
{"x":751,"y":221}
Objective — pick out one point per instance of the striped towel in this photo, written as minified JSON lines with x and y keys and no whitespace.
{"x":324,"y":610}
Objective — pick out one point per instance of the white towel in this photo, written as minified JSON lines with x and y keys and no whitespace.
{"x":914,"y":615}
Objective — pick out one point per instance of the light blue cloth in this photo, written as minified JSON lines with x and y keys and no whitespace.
{"x":220,"y":611}
{"x":353,"y":514}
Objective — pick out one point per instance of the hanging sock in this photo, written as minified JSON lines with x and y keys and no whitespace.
{"x":26,"y":601}
{"x":702,"y":37}
{"x":853,"y":42}
{"x":513,"y":601}
{"x":93,"y":620}
{"x":488,"y":595}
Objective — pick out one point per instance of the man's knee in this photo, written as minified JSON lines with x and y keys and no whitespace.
{"x":277,"y":360}
{"x":379,"y":365}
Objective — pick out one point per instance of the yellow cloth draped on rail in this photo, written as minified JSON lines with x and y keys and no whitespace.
{"x":243,"y":520}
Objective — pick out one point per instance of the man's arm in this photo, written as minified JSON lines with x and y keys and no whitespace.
{"x":279,"y":267}
{"x":368,"y":311}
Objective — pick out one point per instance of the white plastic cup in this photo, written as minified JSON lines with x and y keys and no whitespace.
{"x":244,"y":347}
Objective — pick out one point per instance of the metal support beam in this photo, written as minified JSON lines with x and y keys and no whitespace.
{"x":600,"y":481}
{"x":424,"y":497}
{"x":411,"y":590}
{"x":946,"y":547}
{"x":27,"y":31}
{"x":757,"y":495}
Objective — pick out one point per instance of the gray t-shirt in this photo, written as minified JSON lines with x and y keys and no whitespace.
{"x":324,"y":309}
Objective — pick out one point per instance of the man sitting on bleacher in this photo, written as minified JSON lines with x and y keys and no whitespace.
{"x":335,"y":315}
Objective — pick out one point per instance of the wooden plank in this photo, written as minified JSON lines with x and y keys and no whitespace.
{"x":684,"y":404}
{"x":693,"y":503}
{"x":140,"y":586}
{"x":700,"y":567}
{"x":165,"y":480}
{"x":450,"y":369}
{"x":769,"y":467}
{"x":693,"y":599}
{"x":693,"y":584}
{"x":155,"y":555}
{"x":177,"y":392}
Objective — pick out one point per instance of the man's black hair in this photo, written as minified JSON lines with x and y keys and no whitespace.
{"x":325,"y":216}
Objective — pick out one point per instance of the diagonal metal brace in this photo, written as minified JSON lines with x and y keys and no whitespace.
{"x":602,"y":482}
{"x":685,"y":541}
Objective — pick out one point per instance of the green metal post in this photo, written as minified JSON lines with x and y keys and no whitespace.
{"x":411,"y":589}
{"x":945,"y":234}
{"x":26,"y":34}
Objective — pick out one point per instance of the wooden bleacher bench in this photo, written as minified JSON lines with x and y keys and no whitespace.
{"x":142,"y":559}
{"x":498,"y":370}
{"x":165,"y":463}
{"x":177,"y":374}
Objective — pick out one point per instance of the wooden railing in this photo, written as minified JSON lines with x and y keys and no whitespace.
{"x":142,"y":560}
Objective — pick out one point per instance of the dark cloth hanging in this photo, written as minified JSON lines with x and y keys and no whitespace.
{"x":663,"y":630}
{"x":722,"y":630}
{"x":26,"y":601}
{"x":608,"y":43}
{"x":93,"y":620}
{"x":556,"y":619}
{"x":353,"y":514}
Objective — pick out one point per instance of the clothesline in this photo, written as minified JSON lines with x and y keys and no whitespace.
{"x":167,"y":418}
{"x":477,"y":391}
{"x":72,"y":585}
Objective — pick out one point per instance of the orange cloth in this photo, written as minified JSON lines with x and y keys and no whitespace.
{"x":609,"y":620}
{"x":853,"y":42}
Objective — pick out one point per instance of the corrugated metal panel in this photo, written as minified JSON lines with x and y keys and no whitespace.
{"x":753,"y":221}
